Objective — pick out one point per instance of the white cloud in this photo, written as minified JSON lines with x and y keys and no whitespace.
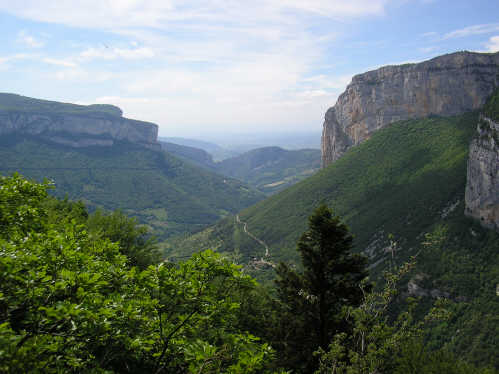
{"x":429,"y":34}
{"x":115,"y":14}
{"x":330,"y":83}
{"x":6,"y":61}
{"x":333,"y":8}
{"x":57,"y":62}
{"x":29,"y":40}
{"x":493,"y":44}
{"x":17,"y":56}
{"x":124,"y":100}
{"x":216,"y":62}
{"x":107,"y":53}
{"x":79,"y":75}
{"x":256,"y":94}
{"x":428,"y":49}
{"x":472,"y":30}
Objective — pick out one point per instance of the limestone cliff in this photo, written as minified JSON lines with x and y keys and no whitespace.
{"x":73,"y":125}
{"x":482,"y":183}
{"x":447,"y":85}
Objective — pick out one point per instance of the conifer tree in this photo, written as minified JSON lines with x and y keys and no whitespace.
{"x":313,"y":299}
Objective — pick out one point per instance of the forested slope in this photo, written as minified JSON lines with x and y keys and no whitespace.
{"x":169,"y":195}
{"x":402,"y":195}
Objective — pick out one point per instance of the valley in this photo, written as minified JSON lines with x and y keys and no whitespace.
{"x":267,"y":169}
{"x":389,"y":232}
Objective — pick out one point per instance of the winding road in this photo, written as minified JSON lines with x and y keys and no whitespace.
{"x":259,"y":241}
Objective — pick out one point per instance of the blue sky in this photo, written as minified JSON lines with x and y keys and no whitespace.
{"x":223,"y":66}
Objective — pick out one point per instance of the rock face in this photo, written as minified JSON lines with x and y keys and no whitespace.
{"x":74,"y":125}
{"x":482,"y":183}
{"x":447,"y":85}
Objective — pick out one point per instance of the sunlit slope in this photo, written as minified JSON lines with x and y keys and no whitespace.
{"x":399,"y":181}
{"x":168,"y":194}
{"x":271,"y":169}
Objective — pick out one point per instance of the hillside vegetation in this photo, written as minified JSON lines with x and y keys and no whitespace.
{"x":491,"y":108}
{"x":81,"y":293}
{"x":399,"y":182}
{"x":402,"y":194}
{"x":268,"y":169}
{"x":197,"y":156}
{"x":271,"y":169}
{"x":218,"y":152}
{"x":169,"y":195}
{"x":74,"y":300}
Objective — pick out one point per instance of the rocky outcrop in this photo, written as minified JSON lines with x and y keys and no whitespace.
{"x":81,"y":126}
{"x":447,"y":85}
{"x":482,"y":183}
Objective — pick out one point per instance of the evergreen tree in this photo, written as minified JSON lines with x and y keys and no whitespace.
{"x":313,"y":299}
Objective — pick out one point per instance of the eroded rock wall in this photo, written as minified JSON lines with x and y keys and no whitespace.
{"x":447,"y":85}
{"x":482,"y":183}
{"x":79,"y":130}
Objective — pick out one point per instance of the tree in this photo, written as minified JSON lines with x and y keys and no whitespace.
{"x":374,"y":342}
{"x":313,"y":300}
{"x":133,"y":239}
{"x":71,"y":302}
{"x":380,"y":344}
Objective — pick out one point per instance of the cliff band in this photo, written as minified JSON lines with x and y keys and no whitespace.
{"x":72,"y":125}
{"x":447,"y":85}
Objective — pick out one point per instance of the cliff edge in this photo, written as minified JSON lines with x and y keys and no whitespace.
{"x":446,"y":85}
{"x":71,"y":124}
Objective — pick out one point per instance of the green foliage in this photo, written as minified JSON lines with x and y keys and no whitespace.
{"x":461,"y":259}
{"x":131,"y":178}
{"x":415,"y":359}
{"x":196,"y":156}
{"x":491,"y":107}
{"x":374,"y":342}
{"x":313,"y":300}
{"x":71,"y":302}
{"x":398,"y":181}
{"x":381,"y":344}
{"x":20,"y":205}
{"x":271,"y":169}
{"x":131,"y":237}
{"x":268,"y":169}
{"x":408,"y":179}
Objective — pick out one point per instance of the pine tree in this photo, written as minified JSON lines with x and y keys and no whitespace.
{"x":313,"y":299}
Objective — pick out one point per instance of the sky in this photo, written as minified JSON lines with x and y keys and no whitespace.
{"x":205,"y":67}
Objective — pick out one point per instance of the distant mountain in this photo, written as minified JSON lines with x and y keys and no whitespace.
{"x":194,"y":155}
{"x":268,"y":169}
{"x":271,"y":169}
{"x":218,"y":152}
{"x":290,"y":140}
{"x":94,"y":154}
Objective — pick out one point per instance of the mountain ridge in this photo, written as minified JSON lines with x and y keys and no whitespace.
{"x":446,"y":85}
{"x":71,"y":124}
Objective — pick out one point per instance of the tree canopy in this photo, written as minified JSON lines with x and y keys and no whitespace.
{"x":313,"y":299}
{"x":71,"y":301}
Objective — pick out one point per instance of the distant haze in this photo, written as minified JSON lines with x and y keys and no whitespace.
{"x":288,"y":140}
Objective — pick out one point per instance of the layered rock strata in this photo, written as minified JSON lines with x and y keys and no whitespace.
{"x":482,"y":183}
{"x":78,"y":129}
{"x":447,"y":85}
